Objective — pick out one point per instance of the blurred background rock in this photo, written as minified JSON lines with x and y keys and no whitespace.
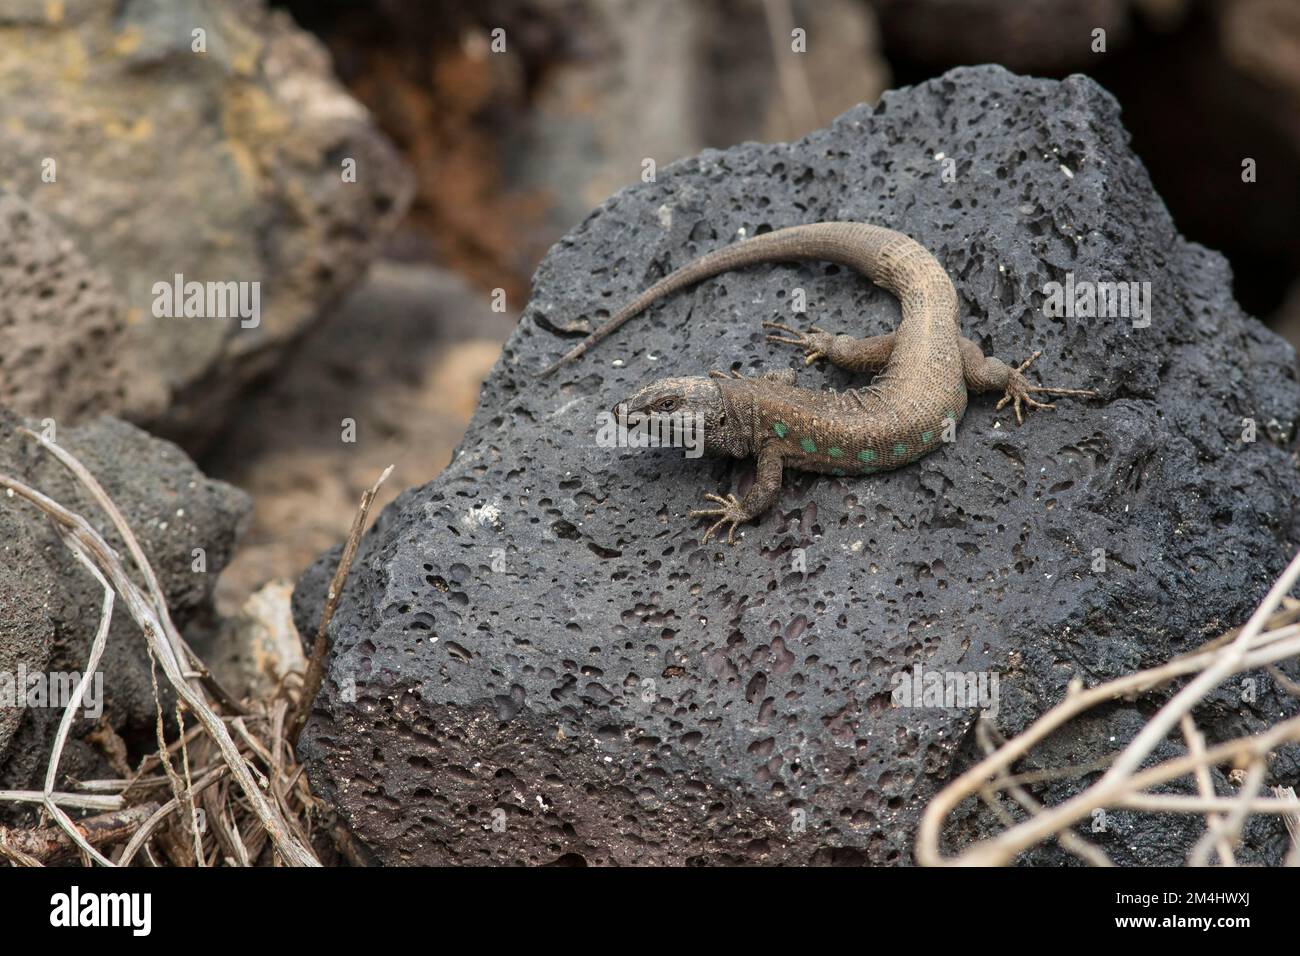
{"x":157,"y":159}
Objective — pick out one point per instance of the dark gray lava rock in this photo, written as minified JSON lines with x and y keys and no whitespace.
{"x":50,"y":604}
{"x":537,"y":661}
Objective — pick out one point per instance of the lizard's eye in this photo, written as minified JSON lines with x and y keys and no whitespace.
{"x":666,"y":404}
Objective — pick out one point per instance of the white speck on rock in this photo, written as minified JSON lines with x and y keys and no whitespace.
{"x":484,"y":516}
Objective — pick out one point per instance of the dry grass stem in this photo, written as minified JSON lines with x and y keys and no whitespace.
{"x":320,"y":647}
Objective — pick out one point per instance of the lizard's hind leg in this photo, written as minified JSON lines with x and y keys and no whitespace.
{"x":984,"y":373}
{"x":843,"y":351}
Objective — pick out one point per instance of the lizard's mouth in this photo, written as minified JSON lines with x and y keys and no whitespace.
{"x":632,"y":412}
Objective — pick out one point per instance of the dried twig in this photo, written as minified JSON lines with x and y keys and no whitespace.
{"x":1292,"y":821}
{"x":48,"y":844}
{"x":1072,"y":842}
{"x":1204,"y":782}
{"x":81,"y":801}
{"x":70,"y":711}
{"x":316,"y":665}
{"x":156,"y":818}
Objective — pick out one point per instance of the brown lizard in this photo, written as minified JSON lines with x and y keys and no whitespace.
{"x":925,"y":368}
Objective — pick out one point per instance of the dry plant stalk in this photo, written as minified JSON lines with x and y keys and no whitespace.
{"x":233,"y":797}
{"x":1269,"y":636}
{"x":316,"y":664}
{"x":48,"y":844}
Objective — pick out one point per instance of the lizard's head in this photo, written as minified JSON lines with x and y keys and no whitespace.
{"x":691,"y":408}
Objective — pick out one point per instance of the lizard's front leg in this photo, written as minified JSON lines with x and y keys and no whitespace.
{"x":762,"y":495}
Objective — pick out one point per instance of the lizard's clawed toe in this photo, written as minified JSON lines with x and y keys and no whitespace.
{"x":1084,"y":392}
{"x":791,"y":336}
{"x":1029,"y":361}
{"x":1018,"y":391}
{"x":780,"y":327}
{"x":815,"y":342}
{"x":730,"y":512}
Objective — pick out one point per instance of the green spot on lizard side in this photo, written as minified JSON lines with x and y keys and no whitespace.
{"x":808,"y":445}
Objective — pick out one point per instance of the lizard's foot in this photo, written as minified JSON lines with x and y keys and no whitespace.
{"x":731,"y":511}
{"x":816,"y":342}
{"x":1018,"y":389}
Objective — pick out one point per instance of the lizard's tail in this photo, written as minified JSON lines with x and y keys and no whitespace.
{"x":878,"y":253}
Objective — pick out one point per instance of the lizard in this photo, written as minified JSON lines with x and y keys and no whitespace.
{"x":924,"y":371}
